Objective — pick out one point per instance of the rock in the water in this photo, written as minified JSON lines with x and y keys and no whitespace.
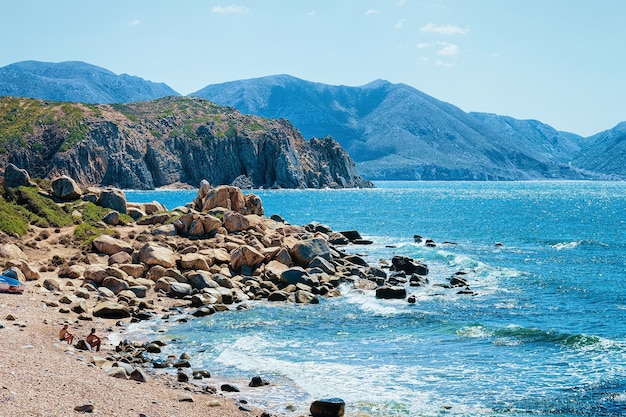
{"x":391,"y":292}
{"x":408,"y":265}
{"x":330,"y":407}
{"x":258,"y":381}
{"x":229,"y":388}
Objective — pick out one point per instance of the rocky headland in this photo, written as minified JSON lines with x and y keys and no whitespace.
{"x":140,"y":262}
{"x":172,"y":140}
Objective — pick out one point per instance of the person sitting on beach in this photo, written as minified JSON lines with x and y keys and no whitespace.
{"x":93,"y":340}
{"x":64,"y":334}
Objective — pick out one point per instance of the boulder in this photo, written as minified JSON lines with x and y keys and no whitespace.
{"x":296,"y":275}
{"x":179,"y":290}
{"x":115,"y":284}
{"x":306,"y":297}
{"x":330,"y":407}
{"x":16,"y":177}
{"x":153,"y":254}
{"x":66,"y":189}
{"x":253,"y":205}
{"x":210,"y":223}
{"x":408,"y":265}
{"x":235,"y":222}
{"x":11,"y":251}
{"x":120,"y":258}
{"x":111,"y":310}
{"x":30,"y":274}
{"x":95,"y":273}
{"x":112,"y":218}
{"x":245,"y":256}
{"x":305,"y":251}
{"x":391,"y":292}
{"x":224,"y":196}
{"x":113,"y":198}
{"x":110,"y":246}
{"x":195,"y":261}
{"x":200,"y":280}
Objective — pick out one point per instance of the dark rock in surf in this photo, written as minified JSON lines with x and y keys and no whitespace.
{"x":329,"y":407}
{"x":408,"y":265}
{"x":391,"y":292}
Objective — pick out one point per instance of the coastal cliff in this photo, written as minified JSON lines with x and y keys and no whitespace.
{"x":172,"y":140}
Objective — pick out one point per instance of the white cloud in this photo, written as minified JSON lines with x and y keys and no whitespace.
{"x":449,"y":49}
{"x":230,"y":9}
{"x":401,"y":3}
{"x":444,"y":29}
{"x":133,"y":23}
{"x":400,"y":23}
{"x":493,"y":55}
{"x":423,"y":45}
{"x":311,"y":13}
{"x":441,"y":63}
{"x":372,"y":11}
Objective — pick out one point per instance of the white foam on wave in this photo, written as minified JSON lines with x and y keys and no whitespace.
{"x":374,"y":389}
{"x":566,"y":245}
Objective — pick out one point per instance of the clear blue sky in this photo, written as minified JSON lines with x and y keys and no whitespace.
{"x":558,"y":61}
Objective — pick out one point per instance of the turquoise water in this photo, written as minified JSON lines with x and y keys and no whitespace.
{"x":544,"y":335}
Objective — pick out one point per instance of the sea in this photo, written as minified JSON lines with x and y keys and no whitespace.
{"x":542,"y":334}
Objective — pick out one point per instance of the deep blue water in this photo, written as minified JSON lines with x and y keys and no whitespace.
{"x":544,"y":335}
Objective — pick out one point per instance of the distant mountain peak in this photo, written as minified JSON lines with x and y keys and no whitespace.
{"x":76,"y":81}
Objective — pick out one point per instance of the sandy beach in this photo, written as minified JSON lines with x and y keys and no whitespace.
{"x":42,"y":376}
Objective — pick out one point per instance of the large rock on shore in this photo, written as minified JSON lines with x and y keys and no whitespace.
{"x":111,"y":310}
{"x":66,"y":189}
{"x":114,"y":199}
{"x":110,"y":245}
{"x":153,"y":254}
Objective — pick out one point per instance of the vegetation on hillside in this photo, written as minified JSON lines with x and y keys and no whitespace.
{"x":25,"y":206}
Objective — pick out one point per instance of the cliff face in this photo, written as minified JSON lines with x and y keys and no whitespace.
{"x":152,"y":144}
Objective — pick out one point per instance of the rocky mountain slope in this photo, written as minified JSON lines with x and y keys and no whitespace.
{"x":76,"y":82}
{"x":606,"y":152}
{"x":394,"y":131}
{"x":171,"y":140}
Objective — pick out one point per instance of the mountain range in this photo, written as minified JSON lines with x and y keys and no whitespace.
{"x":392,"y":131}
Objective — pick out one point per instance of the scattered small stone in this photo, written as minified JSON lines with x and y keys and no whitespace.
{"x":10,"y":317}
{"x":185,"y":398}
{"x":213,"y":403}
{"x":229,"y":388}
{"x":258,"y":381}
{"x":86,"y":408}
{"x":182,"y":376}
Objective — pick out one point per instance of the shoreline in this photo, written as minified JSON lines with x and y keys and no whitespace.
{"x":43,"y":376}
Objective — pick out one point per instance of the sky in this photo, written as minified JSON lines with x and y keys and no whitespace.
{"x":561,"y":62}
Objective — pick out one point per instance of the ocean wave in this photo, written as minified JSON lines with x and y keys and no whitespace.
{"x":566,"y":245}
{"x":576,"y":243}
